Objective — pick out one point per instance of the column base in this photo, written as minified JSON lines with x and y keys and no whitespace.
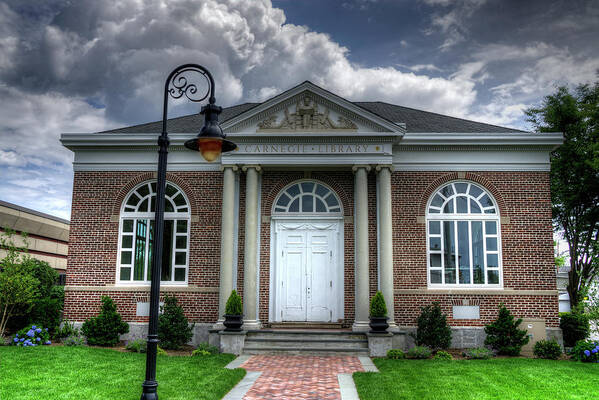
{"x":361,"y":326}
{"x":251,"y":325}
{"x":218,"y":325}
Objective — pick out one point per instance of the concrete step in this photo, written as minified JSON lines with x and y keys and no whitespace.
{"x":304,"y":335}
{"x":306,"y":325}
{"x":317,"y":351}
{"x":307,"y":343}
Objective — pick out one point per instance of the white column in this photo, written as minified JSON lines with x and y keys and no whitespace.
{"x":361,"y":247}
{"x":227,"y":240}
{"x":386,"y":239}
{"x":250,"y":268}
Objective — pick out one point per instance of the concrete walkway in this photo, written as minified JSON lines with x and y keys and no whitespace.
{"x":298,"y":377}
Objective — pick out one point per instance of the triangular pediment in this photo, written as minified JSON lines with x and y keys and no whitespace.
{"x":308,"y":108}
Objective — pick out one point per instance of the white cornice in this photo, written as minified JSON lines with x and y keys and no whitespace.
{"x":552,"y":139}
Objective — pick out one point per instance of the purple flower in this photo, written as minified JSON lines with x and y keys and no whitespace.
{"x":17,"y":335}
{"x":587,"y":353}
{"x":48,"y":342}
{"x":22,"y":339}
{"x":33,"y":326}
{"x":46,"y":329}
{"x":594,"y":351}
{"x":15,"y":340}
{"x":30,"y":333}
{"x":38,"y":330}
{"x":37,"y":339}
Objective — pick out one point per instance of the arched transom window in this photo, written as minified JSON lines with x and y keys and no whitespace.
{"x":307,"y":197}
{"x":463,"y":237}
{"x":137,"y":234}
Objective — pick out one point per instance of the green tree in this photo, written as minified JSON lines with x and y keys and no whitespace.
{"x":575,"y":177}
{"x":173,"y":328}
{"x":503,"y":334}
{"x":18,"y":288}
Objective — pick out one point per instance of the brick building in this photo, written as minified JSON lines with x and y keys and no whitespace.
{"x":324,"y":202}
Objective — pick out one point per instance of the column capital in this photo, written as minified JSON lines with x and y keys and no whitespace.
{"x":234,"y":167}
{"x":379,"y":167}
{"x":245,"y":168}
{"x":356,"y":167}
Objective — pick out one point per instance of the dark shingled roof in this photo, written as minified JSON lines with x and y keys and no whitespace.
{"x":415,"y":120}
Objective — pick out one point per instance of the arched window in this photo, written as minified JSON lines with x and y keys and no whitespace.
{"x":463,"y":238}
{"x":136,"y":234}
{"x":307,"y":197}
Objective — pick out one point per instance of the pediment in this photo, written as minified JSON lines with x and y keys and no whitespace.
{"x":308,"y":108}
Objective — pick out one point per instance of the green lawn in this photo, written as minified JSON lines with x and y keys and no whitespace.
{"x":56,"y":372}
{"x":505,"y":379}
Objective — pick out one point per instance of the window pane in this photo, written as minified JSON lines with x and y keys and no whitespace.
{"x":321,"y":190}
{"x":447,"y":191}
{"x":179,"y":274}
{"x":168,"y":206}
{"x":434,"y":227}
{"x":475,"y":191}
{"x":133,"y":200}
{"x":153,"y":203}
{"x":462,"y":204}
{"x":150,"y":246}
{"x":179,"y":200}
{"x":474,"y":208}
{"x":491,"y":244}
{"x":491,"y":227}
{"x":125,"y":257}
{"x":449,"y":248}
{"x":448,"y":209}
{"x":170,"y":190}
{"x":294,"y":207}
{"x":493,"y":277}
{"x":128,"y":225}
{"x":436,"y":276}
{"x":486,"y":201}
{"x":180,"y":258}
{"x":293,"y":190}
{"x":490,"y":211}
{"x":461,"y":187}
{"x":143,"y":207}
{"x":140,"y":249}
{"x":492,"y":261}
{"x":437,"y":201}
{"x":477,"y":252}
{"x":433,"y":211}
{"x":126,"y":273}
{"x":167,"y":250}
{"x":153,"y":186}
{"x":182,"y":226}
{"x":435,"y":243}
{"x":320,"y":207}
{"x":283,"y":200}
{"x":307,"y":187}
{"x":127,"y":242}
{"x":181,"y":242}
{"x":436,"y":261}
{"x":307,"y":203}
{"x":143,"y":191}
{"x":332,"y":201}
{"x":463,"y":251}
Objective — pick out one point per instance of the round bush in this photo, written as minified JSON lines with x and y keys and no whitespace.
{"x":575,"y":326}
{"x":419,"y":353}
{"x":443,"y":355}
{"x":31,"y":336}
{"x":396,"y":354}
{"x":586,"y":351}
{"x":548,"y":349}
{"x":480,"y":353}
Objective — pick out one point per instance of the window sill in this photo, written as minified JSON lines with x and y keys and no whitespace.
{"x":141,"y":288}
{"x":477,"y":291}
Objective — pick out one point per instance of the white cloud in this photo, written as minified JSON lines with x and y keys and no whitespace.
{"x":452,"y":22}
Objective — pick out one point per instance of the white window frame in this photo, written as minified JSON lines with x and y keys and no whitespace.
{"x":149,"y":215}
{"x":288,"y":213}
{"x":455,"y":217}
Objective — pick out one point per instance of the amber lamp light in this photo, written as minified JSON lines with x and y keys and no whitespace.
{"x":211,"y":141}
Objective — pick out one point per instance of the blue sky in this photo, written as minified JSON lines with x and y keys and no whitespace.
{"x":91,"y":65}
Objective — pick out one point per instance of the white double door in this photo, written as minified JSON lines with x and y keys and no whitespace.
{"x":308,"y":274}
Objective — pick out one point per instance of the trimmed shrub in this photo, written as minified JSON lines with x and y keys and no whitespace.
{"x":378,"y":308}
{"x":503,"y":334}
{"x":74,"y":340}
{"x":585,"y":351}
{"x":548,"y":349}
{"x":480,"y":353}
{"x":197,"y":352}
{"x":173,"y":328}
{"x":419,"y":353}
{"x":575,"y":326}
{"x":234,"y":305}
{"x":433,"y":330}
{"x":396,"y":354}
{"x":443,"y":355}
{"x":207,"y":347}
{"x":137,"y":346}
{"x":105,"y":329}
{"x":32,"y":336}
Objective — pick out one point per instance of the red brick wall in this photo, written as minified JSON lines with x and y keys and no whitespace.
{"x":526,"y":240}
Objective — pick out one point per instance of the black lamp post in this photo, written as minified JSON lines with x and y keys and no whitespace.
{"x":210,"y":143}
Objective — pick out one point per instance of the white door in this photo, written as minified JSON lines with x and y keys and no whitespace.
{"x":307,"y":271}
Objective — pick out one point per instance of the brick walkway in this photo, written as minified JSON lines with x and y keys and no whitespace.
{"x":298,"y":377}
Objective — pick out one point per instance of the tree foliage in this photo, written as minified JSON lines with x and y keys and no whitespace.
{"x":378,"y":308}
{"x":503,"y":334}
{"x":107,"y":327}
{"x":173,"y":328}
{"x":575,"y":177}
{"x":433,"y":330}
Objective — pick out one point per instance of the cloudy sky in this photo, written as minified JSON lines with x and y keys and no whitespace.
{"x":91,"y":65}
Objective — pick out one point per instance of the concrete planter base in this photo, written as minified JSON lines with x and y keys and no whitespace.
{"x":379,"y":344}
{"x":232,"y":342}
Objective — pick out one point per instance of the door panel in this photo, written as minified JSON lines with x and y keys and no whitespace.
{"x":294,"y":276}
{"x":319,"y":300}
